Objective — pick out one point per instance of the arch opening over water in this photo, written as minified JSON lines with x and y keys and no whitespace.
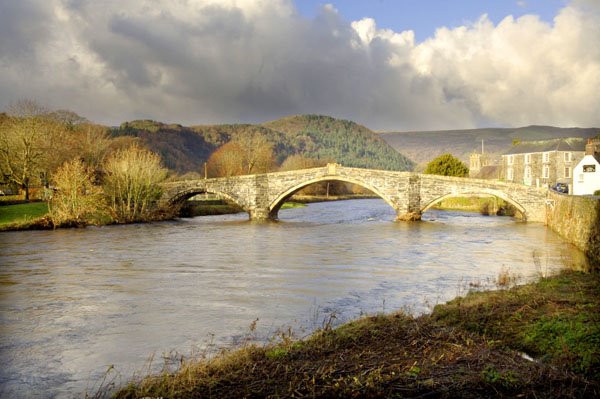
{"x":182,"y":197}
{"x":519,"y":210}
{"x":278,"y":202}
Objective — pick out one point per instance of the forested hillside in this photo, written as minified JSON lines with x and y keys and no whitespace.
{"x":343,"y":141}
{"x":185,"y":149}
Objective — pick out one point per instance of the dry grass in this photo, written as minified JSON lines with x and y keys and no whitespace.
{"x":472,"y":347}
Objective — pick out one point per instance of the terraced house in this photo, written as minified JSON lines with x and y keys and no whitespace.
{"x":542,"y":163}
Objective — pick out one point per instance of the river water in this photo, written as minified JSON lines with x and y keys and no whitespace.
{"x":74,"y":302}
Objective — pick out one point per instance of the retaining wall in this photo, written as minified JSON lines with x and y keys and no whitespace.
{"x":577,"y":219}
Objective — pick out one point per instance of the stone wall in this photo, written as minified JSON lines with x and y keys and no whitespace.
{"x":577,"y":220}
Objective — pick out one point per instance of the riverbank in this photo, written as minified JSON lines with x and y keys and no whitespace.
{"x":23,"y":215}
{"x":536,"y":340}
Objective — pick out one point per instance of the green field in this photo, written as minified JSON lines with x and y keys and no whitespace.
{"x":22,"y":212}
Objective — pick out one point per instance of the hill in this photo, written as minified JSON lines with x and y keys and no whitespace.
{"x":185,"y":149}
{"x":423,"y":146}
{"x":346,"y":142}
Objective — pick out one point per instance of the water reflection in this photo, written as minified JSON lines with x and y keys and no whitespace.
{"x":73,"y":302}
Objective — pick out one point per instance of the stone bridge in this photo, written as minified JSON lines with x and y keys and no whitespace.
{"x":410,"y":194}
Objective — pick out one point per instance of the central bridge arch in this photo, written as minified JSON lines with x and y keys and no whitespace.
{"x":281,"y":198}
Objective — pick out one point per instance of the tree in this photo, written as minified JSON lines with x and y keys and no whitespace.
{"x":226,"y":161}
{"x":26,"y":137}
{"x":76,"y":199}
{"x":447,"y":165}
{"x":246,"y":154}
{"x":299,"y":161}
{"x":257,"y":153}
{"x":131,"y":183}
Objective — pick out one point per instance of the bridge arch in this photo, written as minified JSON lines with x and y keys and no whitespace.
{"x":280,"y":199}
{"x":183,"y":196}
{"x":496,"y":193}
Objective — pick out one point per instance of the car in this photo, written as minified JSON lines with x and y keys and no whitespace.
{"x":561,"y":188}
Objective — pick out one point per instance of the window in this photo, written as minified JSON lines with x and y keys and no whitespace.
{"x":546,"y":157}
{"x":510,"y":159}
{"x":568,"y":156}
{"x":509,"y":174}
{"x":567,"y":172}
{"x":527,"y":174}
{"x":527,"y":159}
{"x":546,"y":172}
{"x":589,"y":168}
{"x":580,"y":178}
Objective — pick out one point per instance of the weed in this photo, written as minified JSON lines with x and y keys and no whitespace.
{"x":276,"y":353}
{"x":506,"y":279}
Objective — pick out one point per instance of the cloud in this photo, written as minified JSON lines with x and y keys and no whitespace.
{"x":209,"y":61}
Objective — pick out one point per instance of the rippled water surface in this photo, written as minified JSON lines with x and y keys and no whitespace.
{"x":74,"y":302}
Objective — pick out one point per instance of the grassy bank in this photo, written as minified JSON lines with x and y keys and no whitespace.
{"x":22,"y":216}
{"x":472,"y":347}
{"x":486,"y":205}
{"x":217,"y":207}
{"x":307,"y":199}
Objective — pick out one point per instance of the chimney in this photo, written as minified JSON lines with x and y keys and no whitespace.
{"x":592,"y":147}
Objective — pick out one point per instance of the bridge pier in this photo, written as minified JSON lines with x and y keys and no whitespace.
{"x":261,"y":214}
{"x":408,"y":216}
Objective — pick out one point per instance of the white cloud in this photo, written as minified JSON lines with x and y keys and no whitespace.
{"x":204,"y":61}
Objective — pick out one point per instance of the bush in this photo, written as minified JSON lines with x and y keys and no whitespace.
{"x":131,"y":183}
{"x":76,"y":200}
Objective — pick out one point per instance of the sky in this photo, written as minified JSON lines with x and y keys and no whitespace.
{"x":393,"y":65}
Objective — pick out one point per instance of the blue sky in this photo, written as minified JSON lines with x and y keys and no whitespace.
{"x":425,"y":16}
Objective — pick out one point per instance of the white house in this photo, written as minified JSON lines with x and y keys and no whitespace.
{"x":586,"y":175}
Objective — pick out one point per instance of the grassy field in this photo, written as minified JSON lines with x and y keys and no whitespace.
{"x":22,"y":213}
{"x":537,"y":340}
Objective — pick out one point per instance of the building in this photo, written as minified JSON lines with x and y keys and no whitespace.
{"x":483,"y":166}
{"x":477,"y":162}
{"x":586,"y":174}
{"x":542,"y":163}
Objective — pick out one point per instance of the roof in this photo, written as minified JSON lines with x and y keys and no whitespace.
{"x":488,"y":172}
{"x":568,"y":144}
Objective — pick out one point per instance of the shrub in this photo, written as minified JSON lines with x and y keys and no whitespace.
{"x":131,"y":183}
{"x":76,"y":200}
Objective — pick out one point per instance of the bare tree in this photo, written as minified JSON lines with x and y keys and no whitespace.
{"x":245,"y":154}
{"x":226,"y":161}
{"x":76,"y":199}
{"x":26,"y":136}
{"x":131,"y":183}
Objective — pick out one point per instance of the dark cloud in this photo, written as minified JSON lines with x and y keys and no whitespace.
{"x":207,"y":61}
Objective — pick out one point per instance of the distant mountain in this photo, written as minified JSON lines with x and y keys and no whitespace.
{"x":185,"y":149}
{"x":423,"y":146}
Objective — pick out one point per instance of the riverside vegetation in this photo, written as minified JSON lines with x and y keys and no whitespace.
{"x":91,"y":174}
{"x":537,"y":340}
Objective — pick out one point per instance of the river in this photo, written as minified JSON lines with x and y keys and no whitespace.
{"x":74,"y":302}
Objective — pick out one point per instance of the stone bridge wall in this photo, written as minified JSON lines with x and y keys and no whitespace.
{"x":408,"y":193}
